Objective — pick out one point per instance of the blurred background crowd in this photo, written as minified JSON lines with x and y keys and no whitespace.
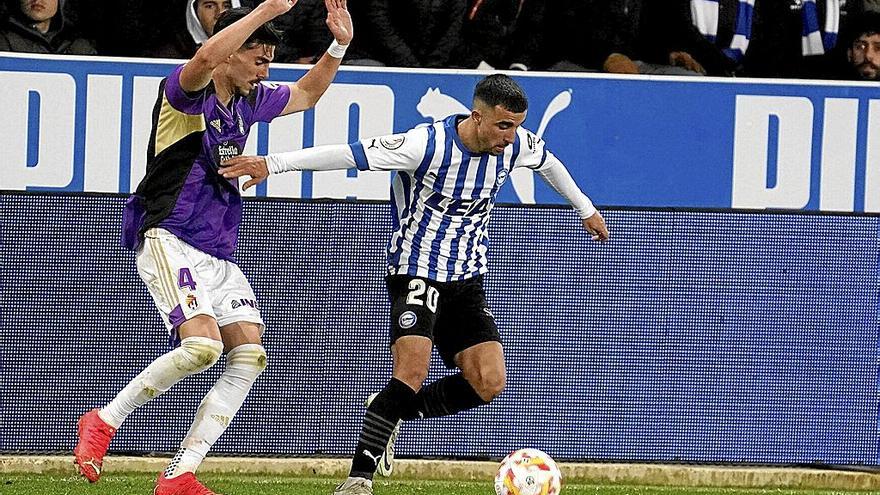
{"x":826,"y":39}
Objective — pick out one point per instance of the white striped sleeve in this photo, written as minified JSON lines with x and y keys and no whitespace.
{"x":556,"y":176}
{"x":392,"y":152}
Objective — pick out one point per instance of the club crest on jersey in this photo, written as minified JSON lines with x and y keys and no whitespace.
{"x":502,"y":176}
{"x":217,"y":125}
{"x":192,"y":302}
{"x":408,"y":320}
{"x":392,"y":142}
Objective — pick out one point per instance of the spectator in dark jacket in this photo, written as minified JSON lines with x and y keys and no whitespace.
{"x":691,"y":30}
{"x":781,"y":48}
{"x":118,"y":28}
{"x":199,"y":17}
{"x":414,"y":33}
{"x":38,"y":26}
{"x":501,"y":34}
{"x":305,"y":32}
{"x":609,"y":35}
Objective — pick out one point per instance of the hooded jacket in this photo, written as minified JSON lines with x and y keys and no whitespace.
{"x":183,"y":44}
{"x":19,"y":35}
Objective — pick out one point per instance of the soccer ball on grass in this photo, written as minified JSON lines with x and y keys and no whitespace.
{"x":528,"y":472}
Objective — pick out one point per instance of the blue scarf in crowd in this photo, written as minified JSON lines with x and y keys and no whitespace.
{"x":705,"y":17}
{"x":814,"y":41}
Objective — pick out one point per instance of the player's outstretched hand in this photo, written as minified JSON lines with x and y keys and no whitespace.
{"x":254,"y":166}
{"x":339,"y":21}
{"x":278,"y":7}
{"x":595,"y":225}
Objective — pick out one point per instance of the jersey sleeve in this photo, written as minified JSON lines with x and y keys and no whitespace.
{"x":533,"y":153}
{"x":270,"y":101}
{"x":189,"y":103}
{"x":403,"y":152}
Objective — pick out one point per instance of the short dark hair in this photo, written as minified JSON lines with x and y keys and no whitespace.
{"x":866,"y":24}
{"x":264,"y":35}
{"x":499,"y":89}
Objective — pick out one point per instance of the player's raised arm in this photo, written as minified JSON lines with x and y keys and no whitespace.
{"x":304,"y":94}
{"x":197,"y":72}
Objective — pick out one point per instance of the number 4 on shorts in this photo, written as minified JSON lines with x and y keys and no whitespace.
{"x":185,"y":279}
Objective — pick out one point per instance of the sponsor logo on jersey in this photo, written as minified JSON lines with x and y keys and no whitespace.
{"x":240,"y":125}
{"x":408,"y":320}
{"x":225,"y":151}
{"x":392,"y":142}
{"x":488,"y":312}
{"x":216,"y":125}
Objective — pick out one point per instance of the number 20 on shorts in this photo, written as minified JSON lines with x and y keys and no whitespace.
{"x":422,"y":294}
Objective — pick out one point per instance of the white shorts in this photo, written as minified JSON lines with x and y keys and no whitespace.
{"x":186,"y":282}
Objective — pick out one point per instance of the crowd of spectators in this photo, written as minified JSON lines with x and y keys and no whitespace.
{"x":831,"y":39}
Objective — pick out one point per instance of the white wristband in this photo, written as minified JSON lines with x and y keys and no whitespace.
{"x":336,"y":50}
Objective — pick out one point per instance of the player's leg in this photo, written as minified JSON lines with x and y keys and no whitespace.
{"x":412,"y":322}
{"x":167,"y":271}
{"x":241,"y":327}
{"x":467,"y":338}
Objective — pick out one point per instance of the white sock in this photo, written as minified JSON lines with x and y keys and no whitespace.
{"x":194,"y":355}
{"x":243,"y":365}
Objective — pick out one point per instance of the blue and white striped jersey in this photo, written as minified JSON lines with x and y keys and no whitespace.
{"x":442,"y":196}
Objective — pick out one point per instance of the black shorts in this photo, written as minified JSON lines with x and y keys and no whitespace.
{"x":454,"y":315}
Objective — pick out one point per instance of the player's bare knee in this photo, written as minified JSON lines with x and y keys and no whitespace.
{"x":490,"y":385}
{"x":487,"y":381}
{"x":197,"y":354}
{"x":414,"y":376}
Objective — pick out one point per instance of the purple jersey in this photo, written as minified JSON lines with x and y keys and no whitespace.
{"x":193,"y":133}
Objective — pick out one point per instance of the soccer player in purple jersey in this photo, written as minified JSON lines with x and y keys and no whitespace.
{"x":183,"y":223}
{"x":447,"y":179}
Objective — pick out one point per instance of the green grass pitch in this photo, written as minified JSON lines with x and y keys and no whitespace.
{"x":131,"y":484}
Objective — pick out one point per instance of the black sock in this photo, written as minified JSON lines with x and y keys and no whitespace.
{"x":379,"y":421}
{"x":446,"y":396}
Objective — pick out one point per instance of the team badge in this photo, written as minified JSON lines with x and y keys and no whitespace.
{"x":502,"y":176}
{"x":392,"y":142}
{"x":192,"y":302}
{"x":408,"y":320}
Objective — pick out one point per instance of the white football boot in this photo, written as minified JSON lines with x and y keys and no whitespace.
{"x":386,"y":463}
{"x":354,"y":486}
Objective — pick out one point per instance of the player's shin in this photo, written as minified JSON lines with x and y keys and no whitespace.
{"x":448,"y":395}
{"x":379,"y":422}
{"x":243,"y":365}
{"x":194,"y":355}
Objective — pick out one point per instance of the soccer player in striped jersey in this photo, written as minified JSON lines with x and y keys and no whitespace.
{"x":448,"y":176}
{"x":183,"y":224}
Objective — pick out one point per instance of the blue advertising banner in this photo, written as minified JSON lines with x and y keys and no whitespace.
{"x":82,"y":124}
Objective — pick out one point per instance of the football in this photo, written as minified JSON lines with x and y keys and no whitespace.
{"x":528,"y":472}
